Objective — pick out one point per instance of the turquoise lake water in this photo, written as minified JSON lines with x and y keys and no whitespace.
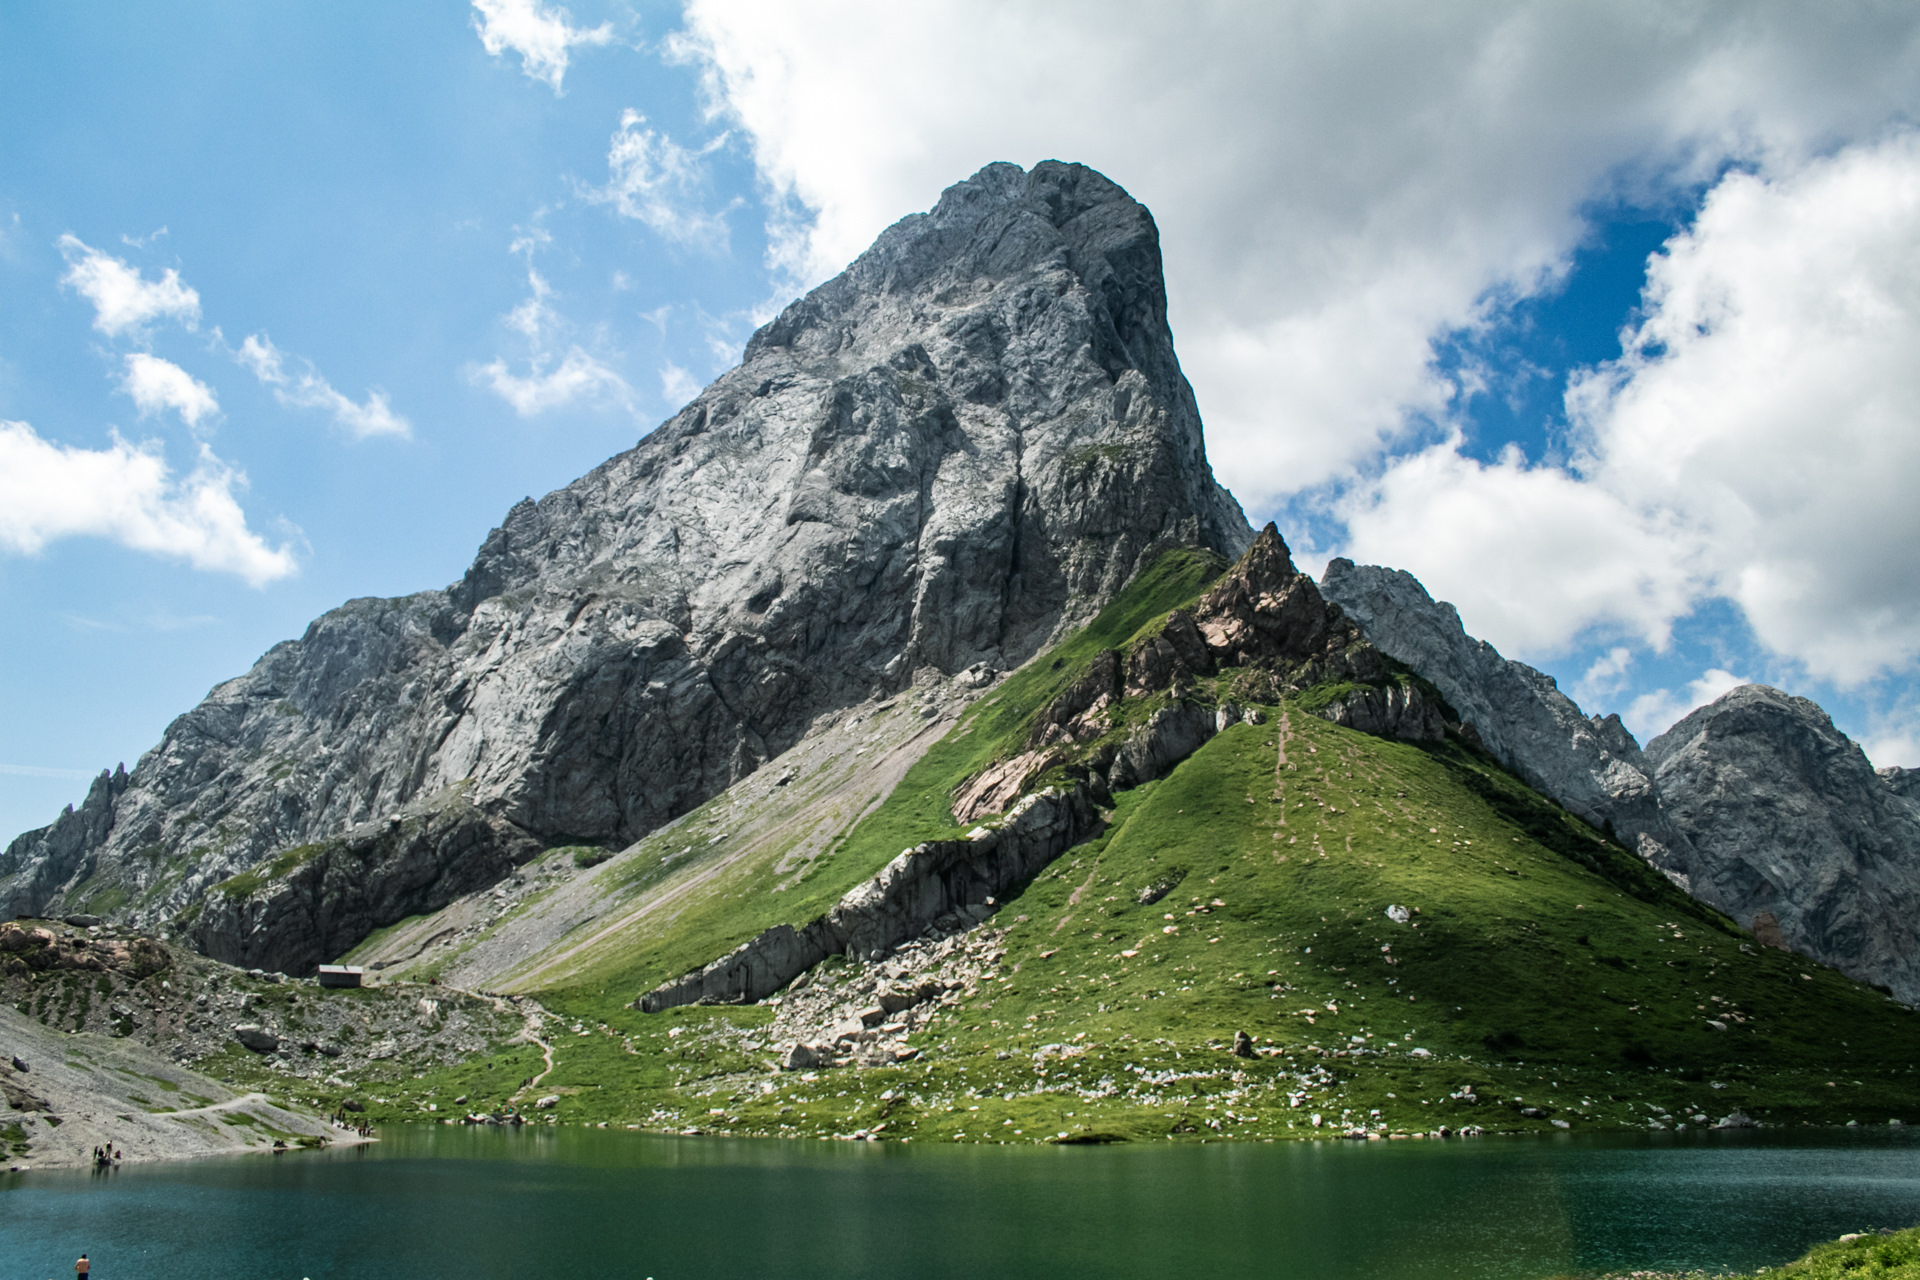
{"x":478,"y":1203}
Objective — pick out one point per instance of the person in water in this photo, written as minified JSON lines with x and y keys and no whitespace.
{"x":82,"y":1267}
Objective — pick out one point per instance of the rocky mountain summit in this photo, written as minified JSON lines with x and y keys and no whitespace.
{"x":934,"y":462}
{"x":1794,"y":834}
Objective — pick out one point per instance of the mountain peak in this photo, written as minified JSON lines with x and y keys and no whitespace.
{"x":934,"y":463}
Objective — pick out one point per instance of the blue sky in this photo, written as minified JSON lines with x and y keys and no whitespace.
{"x":429,"y":259}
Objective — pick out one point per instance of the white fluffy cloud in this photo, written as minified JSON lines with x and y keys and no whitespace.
{"x":306,"y":389}
{"x":551,"y":382}
{"x":157,"y":384}
{"x":1757,"y":441}
{"x":1530,"y":556}
{"x":578,"y":376}
{"x":124,"y":300}
{"x":677,"y":385}
{"x":50,"y":491}
{"x":1335,"y":184}
{"x":654,"y":180}
{"x":1652,"y":714}
{"x":542,"y":35}
{"x":1769,"y":405}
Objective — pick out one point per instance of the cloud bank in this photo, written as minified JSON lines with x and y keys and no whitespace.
{"x":1757,"y":440}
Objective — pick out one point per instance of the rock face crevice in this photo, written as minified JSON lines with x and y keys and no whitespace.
{"x":964,"y":443}
{"x":335,"y":892}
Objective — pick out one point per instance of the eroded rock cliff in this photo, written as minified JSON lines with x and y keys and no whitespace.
{"x":969,"y":439}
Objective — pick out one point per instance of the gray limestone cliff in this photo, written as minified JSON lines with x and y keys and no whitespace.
{"x":1795,"y":835}
{"x":967,"y":441}
{"x":1591,"y":765}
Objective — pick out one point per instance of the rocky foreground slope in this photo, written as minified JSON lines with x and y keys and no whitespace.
{"x":111,"y":1037}
{"x":974,"y":435}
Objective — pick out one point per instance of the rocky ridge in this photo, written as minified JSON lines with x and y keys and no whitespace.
{"x":1754,"y":804}
{"x":968,"y":440}
{"x":1592,"y":765}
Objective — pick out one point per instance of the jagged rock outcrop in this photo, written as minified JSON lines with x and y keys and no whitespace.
{"x":966,"y":441}
{"x":1263,"y":618}
{"x":1902,"y":782}
{"x":1390,"y":711}
{"x":1591,"y":765}
{"x":316,"y":901}
{"x":35,"y":865}
{"x":1789,"y":821}
{"x":941,"y":882}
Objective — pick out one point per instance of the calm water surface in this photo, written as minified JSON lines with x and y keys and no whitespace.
{"x":475,"y":1203}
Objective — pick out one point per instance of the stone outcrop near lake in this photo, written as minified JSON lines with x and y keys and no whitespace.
{"x":934,"y":462}
{"x":1793,"y":833}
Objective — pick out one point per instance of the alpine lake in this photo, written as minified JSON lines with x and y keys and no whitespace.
{"x":459,"y":1202}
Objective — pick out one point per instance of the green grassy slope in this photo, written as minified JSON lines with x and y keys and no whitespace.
{"x":1527,"y":973}
{"x":1543,"y":970}
{"x":1531,"y":977}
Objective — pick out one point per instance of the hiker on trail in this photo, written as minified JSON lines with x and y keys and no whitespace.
{"x":82,"y":1267}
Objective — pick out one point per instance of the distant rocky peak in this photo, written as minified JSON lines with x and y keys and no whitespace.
{"x":1790,"y":821}
{"x":1591,"y":765}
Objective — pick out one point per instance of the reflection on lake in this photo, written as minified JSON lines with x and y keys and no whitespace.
{"x":481,"y":1203}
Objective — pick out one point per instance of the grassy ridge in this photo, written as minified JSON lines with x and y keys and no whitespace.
{"x":1556,"y":991}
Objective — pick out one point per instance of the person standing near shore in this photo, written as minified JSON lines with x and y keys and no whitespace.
{"x":82,"y":1267}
